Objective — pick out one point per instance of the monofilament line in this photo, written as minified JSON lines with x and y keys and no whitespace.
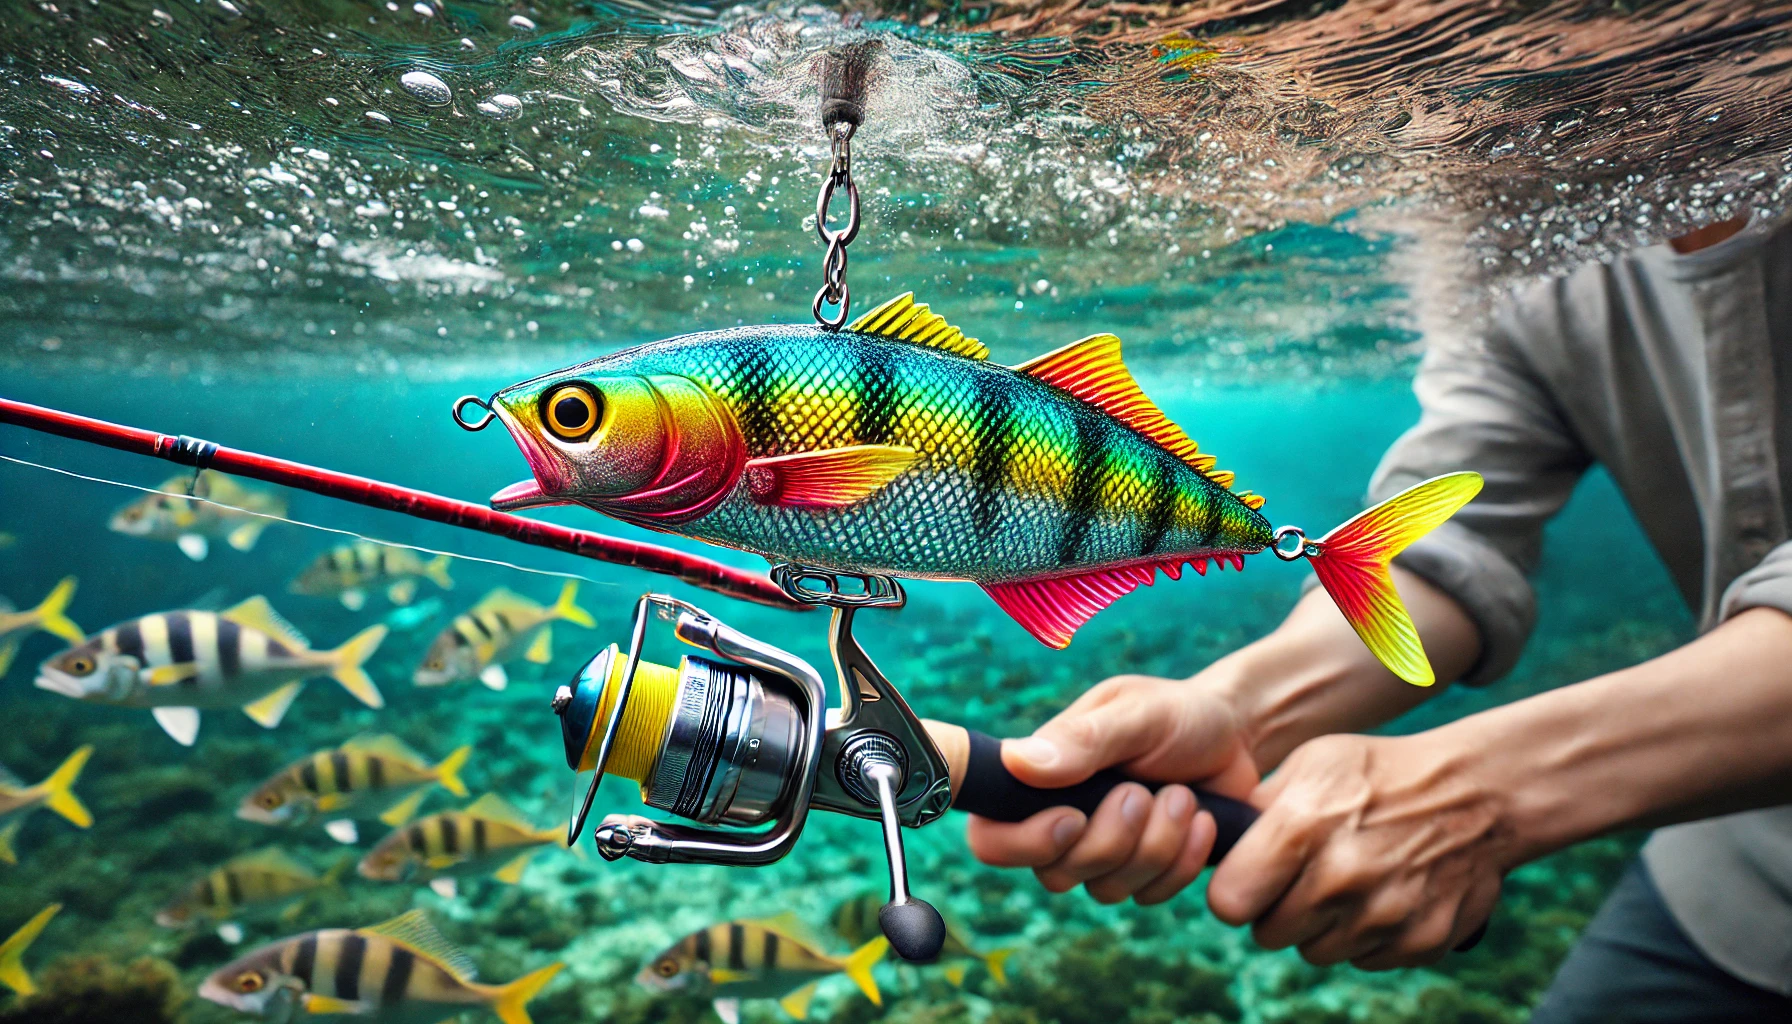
{"x":309,"y":526}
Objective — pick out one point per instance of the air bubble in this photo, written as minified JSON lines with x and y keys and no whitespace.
{"x":521,"y":24}
{"x":427,"y":88}
{"x":501,"y":107}
{"x":378,"y":118}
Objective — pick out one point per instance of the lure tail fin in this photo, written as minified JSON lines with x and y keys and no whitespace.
{"x":348,"y":660}
{"x":510,"y":1000}
{"x":58,"y":789}
{"x":50,"y":617}
{"x":448,"y":771}
{"x":566,"y":609}
{"x":1352,"y":565}
{"x":858,"y":967}
{"x":437,"y":571}
{"x":12,"y":968}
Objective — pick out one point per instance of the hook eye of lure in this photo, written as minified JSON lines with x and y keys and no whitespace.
{"x":460,"y":407}
{"x":571,"y":411}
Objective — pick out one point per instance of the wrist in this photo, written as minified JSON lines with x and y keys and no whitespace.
{"x":1269,"y":695}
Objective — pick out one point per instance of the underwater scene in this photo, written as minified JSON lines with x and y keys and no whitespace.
{"x":257,"y":733}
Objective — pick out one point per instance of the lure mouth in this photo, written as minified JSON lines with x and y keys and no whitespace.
{"x":524,"y":494}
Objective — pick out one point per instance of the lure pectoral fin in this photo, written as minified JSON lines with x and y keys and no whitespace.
{"x":1352,"y":564}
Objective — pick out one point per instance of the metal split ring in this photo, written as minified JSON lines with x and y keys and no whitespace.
{"x":460,"y":405}
{"x":1304,"y":548}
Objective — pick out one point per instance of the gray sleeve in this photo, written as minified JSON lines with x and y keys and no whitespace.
{"x":1767,"y":585}
{"x":1484,"y":408}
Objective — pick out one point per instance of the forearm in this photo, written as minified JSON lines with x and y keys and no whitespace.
{"x":1703,"y":730}
{"x":1313,"y":676}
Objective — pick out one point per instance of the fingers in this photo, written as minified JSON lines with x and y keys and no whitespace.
{"x":1108,"y":842}
{"x":1156,"y":727}
{"x":1260,"y":869}
{"x":1033,"y":843}
{"x":1165,"y":835}
{"x":1190,"y":861}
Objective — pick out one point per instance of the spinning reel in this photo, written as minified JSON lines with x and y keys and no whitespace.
{"x":739,"y":739}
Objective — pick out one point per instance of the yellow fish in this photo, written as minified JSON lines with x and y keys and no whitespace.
{"x":379,"y":774}
{"x":476,"y":644}
{"x":487,"y":832}
{"x":12,"y":968}
{"x":758,"y":959}
{"x":400,"y":970}
{"x":244,"y":882}
{"x":192,"y":524}
{"x":47,"y":616}
{"x":18,"y":800}
{"x":346,"y":571}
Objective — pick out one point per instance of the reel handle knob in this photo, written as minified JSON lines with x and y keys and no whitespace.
{"x":916,"y":931}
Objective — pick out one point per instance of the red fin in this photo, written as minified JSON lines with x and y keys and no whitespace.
{"x":1092,"y":370}
{"x":1053,"y":609}
{"x":827,"y":479}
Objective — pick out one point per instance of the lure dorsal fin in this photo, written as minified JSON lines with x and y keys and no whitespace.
{"x":904,"y":319}
{"x":1092,"y":370}
{"x":494,"y":808}
{"x":413,"y":930}
{"x":257,"y":614}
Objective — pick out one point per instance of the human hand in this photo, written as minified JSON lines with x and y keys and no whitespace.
{"x":1136,"y":845}
{"x":1383,"y":851}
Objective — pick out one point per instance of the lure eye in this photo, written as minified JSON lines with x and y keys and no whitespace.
{"x":250,"y":981}
{"x":79,"y":665}
{"x":666,"y":968}
{"x":571,"y":412}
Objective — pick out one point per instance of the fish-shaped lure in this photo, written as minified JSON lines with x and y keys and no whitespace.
{"x":477,"y":643}
{"x":758,"y":959}
{"x":896,"y":447}
{"x":49,"y":616}
{"x":347,"y":571}
{"x":488,"y":834}
{"x":175,"y":663}
{"x":245,"y":882}
{"x":400,"y":970}
{"x":18,"y":800}
{"x":856,"y":921}
{"x":170,"y":515}
{"x":12,"y":966}
{"x":376,"y":776}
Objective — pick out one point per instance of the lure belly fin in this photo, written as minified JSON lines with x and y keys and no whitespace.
{"x":827,"y":479}
{"x":1053,"y":609}
{"x":1352,"y":565}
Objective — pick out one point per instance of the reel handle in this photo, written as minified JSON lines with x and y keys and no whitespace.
{"x":989,"y":789}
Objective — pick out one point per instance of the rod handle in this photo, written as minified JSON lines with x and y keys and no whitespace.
{"x":989,"y":789}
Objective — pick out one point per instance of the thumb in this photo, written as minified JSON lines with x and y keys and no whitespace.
{"x":1082,"y":740}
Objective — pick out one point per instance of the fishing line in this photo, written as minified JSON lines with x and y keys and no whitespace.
{"x":310,"y":526}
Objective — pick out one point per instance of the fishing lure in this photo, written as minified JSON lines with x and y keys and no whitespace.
{"x":895,"y":447}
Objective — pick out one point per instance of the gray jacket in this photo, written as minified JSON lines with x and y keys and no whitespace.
{"x":1671,"y":371}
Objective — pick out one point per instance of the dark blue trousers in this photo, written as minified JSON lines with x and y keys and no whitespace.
{"x":1635,"y":966}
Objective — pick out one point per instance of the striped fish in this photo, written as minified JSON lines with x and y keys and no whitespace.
{"x":347,"y":571}
{"x":244,"y":882}
{"x":856,"y":921}
{"x":488,"y":833}
{"x":399,"y":971}
{"x":758,"y":959}
{"x":896,"y":447}
{"x":378,"y":776}
{"x":175,"y":663}
{"x":48,"y":616}
{"x":502,"y":625}
{"x":12,"y":967}
{"x":170,"y":515}
{"x":18,"y":800}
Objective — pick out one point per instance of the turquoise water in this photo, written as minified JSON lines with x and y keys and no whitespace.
{"x":202,"y":236}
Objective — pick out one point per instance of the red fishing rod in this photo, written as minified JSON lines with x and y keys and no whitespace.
{"x":200,"y":454}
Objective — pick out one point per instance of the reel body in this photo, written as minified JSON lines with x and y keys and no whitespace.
{"x":740,"y":741}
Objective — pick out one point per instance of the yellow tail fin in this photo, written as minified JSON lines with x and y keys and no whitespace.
{"x":348,"y":660}
{"x":858,"y":967}
{"x":57,"y":789}
{"x":12,"y":969}
{"x":437,"y":571}
{"x":448,"y":772}
{"x":510,"y":1000}
{"x":1352,"y":564}
{"x":50,"y":617}
{"x":997,"y":962}
{"x":565,"y":609}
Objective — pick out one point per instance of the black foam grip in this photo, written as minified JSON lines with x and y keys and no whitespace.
{"x":990,"y":790}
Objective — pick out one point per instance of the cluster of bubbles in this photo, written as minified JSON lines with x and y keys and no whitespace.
{"x":285,"y":177}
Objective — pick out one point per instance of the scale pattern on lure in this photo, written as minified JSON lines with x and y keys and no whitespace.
{"x":895,"y":447}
